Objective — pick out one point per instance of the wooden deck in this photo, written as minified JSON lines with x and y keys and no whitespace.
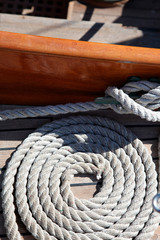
{"x":140,"y":18}
{"x":136,"y":23}
{"x":13,"y":132}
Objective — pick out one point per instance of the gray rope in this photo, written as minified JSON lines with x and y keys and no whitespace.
{"x":44,"y":164}
{"x":139,"y":106}
{"x":151,"y":99}
{"x":156,"y":199}
{"x":126,"y":105}
{"x":50,"y":110}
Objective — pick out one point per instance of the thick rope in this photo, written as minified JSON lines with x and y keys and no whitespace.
{"x":159,"y":165}
{"x":47,"y":160}
{"x":139,"y":106}
{"x":126,"y":105}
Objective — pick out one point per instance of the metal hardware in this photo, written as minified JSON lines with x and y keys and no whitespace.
{"x":155,"y":203}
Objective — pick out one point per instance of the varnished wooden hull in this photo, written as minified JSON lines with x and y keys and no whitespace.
{"x":39,"y":70}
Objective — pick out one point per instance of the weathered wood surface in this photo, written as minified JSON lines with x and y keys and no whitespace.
{"x":67,"y":29}
{"x":137,"y":24}
{"x":13,"y":132}
{"x":134,"y":15}
{"x":141,"y":14}
{"x":95,"y":31}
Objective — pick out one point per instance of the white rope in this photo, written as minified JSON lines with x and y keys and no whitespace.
{"x":151,"y":99}
{"x":47,"y":160}
{"x":50,"y":110}
{"x":126,"y":104}
{"x":140,"y":106}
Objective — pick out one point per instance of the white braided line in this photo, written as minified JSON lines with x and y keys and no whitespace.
{"x":128,"y":105}
{"x":149,"y":100}
{"x":50,"y":110}
{"x":46,"y":162}
{"x":142,"y":85}
{"x":99,"y":224}
{"x":159,"y":164}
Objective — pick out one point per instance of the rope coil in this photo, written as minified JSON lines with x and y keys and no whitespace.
{"x":47,"y":160}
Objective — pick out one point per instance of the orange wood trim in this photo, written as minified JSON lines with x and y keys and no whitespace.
{"x":39,"y":70}
{"x":74,"y":48}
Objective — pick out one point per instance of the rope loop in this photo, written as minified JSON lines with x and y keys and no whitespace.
{"x":142,"y":106}
{"x":48,"y":159}
{"x":41,"y":170}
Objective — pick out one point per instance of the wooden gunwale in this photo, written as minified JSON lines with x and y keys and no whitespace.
{"x":37,"y":70}
{"x":75,"y":48}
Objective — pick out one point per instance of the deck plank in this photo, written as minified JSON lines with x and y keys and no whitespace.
{"x":133,"y":16}
{"x":13,"y":132}
{"x":100,"y":29}
{"x":135,"y":24}
{"x":133,"y":13}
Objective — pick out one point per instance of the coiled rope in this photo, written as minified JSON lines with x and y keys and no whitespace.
{"x":42,"y":168}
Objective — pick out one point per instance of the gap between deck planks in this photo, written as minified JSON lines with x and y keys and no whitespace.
{"x":12,"y":133}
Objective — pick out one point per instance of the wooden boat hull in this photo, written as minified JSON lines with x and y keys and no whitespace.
{"x":39,"y":70}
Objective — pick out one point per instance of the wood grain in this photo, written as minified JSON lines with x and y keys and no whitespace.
{"x":13,"y":132}
{"x":41,"y":70}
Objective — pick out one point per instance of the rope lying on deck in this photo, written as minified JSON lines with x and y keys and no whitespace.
{"x":141,"y":106}
{"x":126,"y":104}
{"x":44,"y":164}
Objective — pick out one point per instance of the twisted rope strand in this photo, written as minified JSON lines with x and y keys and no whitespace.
{"x":140,"y":107}
{"x":128,"y":105}
{"x":50,"y":110}
{"x":139,"y":86}
{"x":48,"y":159}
